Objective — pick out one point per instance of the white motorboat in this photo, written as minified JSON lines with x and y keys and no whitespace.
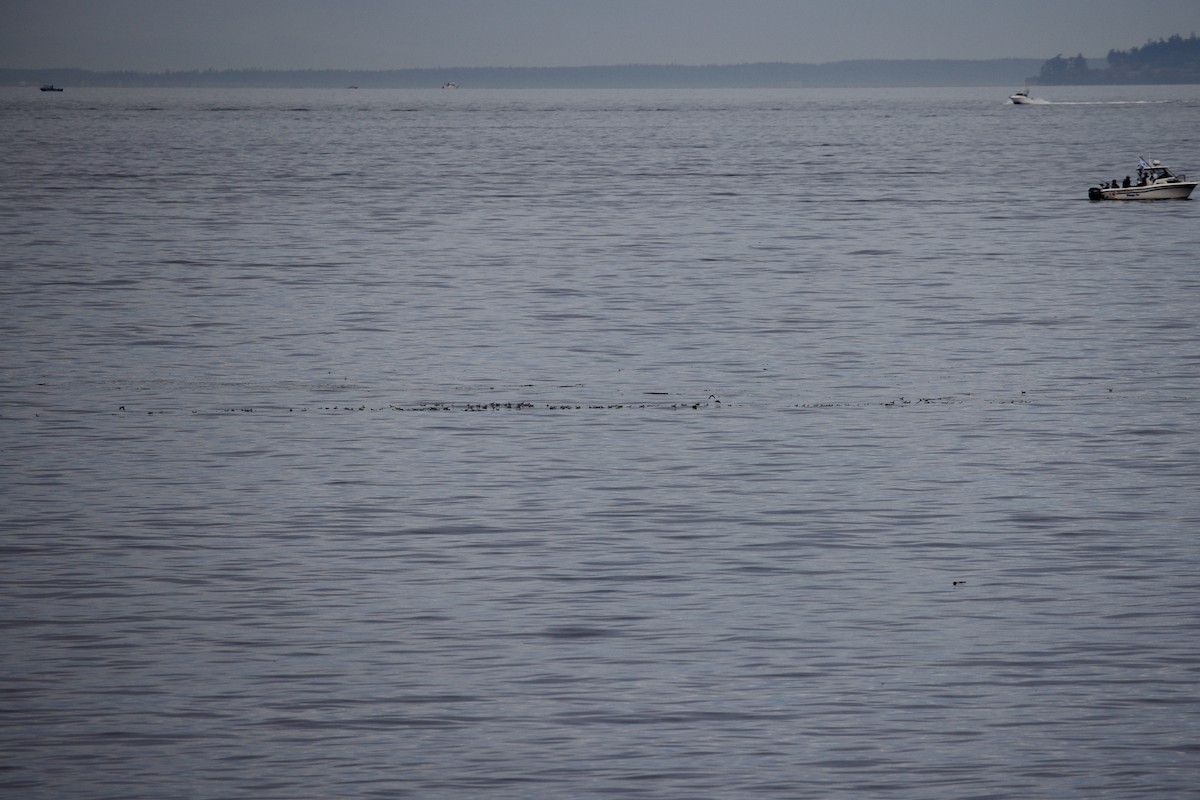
{"x":1154,"y":182}
{"x":1022,"y":98}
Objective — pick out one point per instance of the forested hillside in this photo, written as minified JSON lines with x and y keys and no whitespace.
{"x":1173,"y":60}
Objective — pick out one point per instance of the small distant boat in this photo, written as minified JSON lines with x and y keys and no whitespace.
{"x":449,"y":85}
{"x":1022,"y":98}
{"x":50,"y":87}
{"x":1155,"y":182}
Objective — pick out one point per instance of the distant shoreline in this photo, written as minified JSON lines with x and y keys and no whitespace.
{"x":839,"y":74}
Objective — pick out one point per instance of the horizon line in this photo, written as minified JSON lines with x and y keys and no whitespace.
{"x":641,"y":65}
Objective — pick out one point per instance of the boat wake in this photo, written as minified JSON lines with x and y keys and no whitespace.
{"x":1039,"y":101}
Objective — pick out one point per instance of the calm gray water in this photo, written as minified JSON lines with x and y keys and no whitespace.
{"x":780,"y":444}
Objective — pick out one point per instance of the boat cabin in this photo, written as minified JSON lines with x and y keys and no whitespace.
{"x":1157,"y":172}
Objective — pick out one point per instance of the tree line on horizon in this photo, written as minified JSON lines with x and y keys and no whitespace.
{"x":1171,"y":60}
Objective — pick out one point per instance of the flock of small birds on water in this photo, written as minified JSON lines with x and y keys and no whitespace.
{"x":712,"y":402}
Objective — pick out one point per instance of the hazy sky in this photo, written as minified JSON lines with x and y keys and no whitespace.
{"x":156,"y":35}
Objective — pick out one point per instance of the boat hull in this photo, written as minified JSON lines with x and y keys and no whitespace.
{"x":1170,"y":191}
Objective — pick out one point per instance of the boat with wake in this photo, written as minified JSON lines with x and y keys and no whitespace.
{"x":1154,"y":182}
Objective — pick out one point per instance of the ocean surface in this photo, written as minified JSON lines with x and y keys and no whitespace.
{"x":674,"y":444}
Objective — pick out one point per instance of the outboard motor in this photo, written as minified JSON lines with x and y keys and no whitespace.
{"x":1094,"y":193}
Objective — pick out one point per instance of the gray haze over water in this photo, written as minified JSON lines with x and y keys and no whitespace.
{"x":158,"y":35}
{"x":440,"y":444}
